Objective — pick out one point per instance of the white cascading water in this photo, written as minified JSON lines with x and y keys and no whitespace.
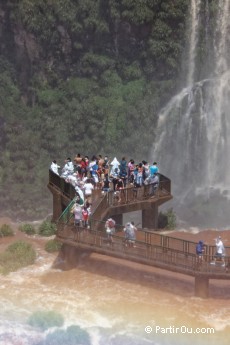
{"x":192,"y":144}
{"x":194,"y":27}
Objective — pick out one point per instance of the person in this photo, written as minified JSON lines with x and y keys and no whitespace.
{"x":83,"y":168}
{"x":77,"y":161}
{"x":153,"y":169}
{"x":119,"y":189}
{"x":88,"y":188}
{"x":130,"y":234}
{"x":92,"y":163}
{"x":114,"y":164}
{"x":94,"y":173}
{"x":131,"y":167}
{"x":54,"y":167}
{"x":220,"y":251}
{"x":79,"y":196}
{"x":85,"y":217}
{"x":123,"y":176}
{"x":100,"y":161}
{"x":110,"y":229}
{"x":139,"y":177}
{"x":115,"y":176}
{"x":200,"y":251}
{"x":106,"y":165}
{"x":106,"y":184}
{"x":68,"y":168}
{"x":146,"y":170}
{"x":77,"y":211}
{"x":123,"y":165}
{"x":154,"y":183}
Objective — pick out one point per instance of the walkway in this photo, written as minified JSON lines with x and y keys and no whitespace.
{"x":151,"y":248}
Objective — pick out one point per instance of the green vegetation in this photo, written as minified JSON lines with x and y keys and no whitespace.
{"x":53,"y":246}
{"x":167,"y":220}
{"x":73,"y":335}
{"x":6,"y":230}
{"x":84,"y":76}
{"x":17,"y":255}
{"x":46,"y":319}
{"x":47,"y":229}
{"x":29,"y":229}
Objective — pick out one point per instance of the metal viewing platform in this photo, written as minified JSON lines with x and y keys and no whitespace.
{"x":151,"y":247}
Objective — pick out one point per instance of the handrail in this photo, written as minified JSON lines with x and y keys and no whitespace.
{"x":128,"y":195}
{"x":151,"y":251}
{"x":66,"y":214}
{"x":155,"y":238}
{"x":132,"y":194}
{"x":65,"y":187}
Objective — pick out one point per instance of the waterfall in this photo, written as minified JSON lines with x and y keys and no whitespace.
{"x":194,"y":27}
{"x":193,"y":146}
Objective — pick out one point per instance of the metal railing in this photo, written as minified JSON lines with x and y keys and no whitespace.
{"x":126,"y":196}
{"x":66,"y":215}
{"x":133,"y":194}
{"x":129,"y":194}
{"x":65,"y":187}
{"x":150,"y":248}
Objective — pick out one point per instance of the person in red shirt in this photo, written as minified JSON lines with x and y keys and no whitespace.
{"x":85,"y":217}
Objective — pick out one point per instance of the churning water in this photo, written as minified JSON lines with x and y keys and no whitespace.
{"x":120,"y":303}
{"x":193,"y":145}
{"x":116,"y":302}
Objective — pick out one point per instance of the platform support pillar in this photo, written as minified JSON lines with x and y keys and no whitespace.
{"x":57,"y":206}
{"x":201,"y":286}
{"x":118,"y":218}
{"x":150,"y":217}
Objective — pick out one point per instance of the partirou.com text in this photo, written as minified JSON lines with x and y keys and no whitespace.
{"x":178,"y":330}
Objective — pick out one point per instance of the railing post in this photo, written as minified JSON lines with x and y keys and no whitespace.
{"x":150,"y":217}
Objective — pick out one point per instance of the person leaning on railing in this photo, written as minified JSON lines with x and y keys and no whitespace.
{"x":153,"y":180}
{"x":200,"y":251}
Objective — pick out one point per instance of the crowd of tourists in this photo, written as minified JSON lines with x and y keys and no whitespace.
{"x":108,"y":175}
{"x":100,"y":173}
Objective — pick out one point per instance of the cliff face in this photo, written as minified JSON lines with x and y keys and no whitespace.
{"x":17,"y":46}
{"x":80,"y":76}
{"x":66,"y":36}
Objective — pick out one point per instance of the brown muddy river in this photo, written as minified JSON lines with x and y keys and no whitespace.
{"x":117,"y":302}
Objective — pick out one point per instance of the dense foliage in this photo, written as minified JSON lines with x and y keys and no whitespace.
{"x":29,"y":229}
{"x":167,"y":220}
{"x":83,"y":76}
{"x":17,"y":255}
{"x":47,"y":229}
{"x":6,"y":230}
